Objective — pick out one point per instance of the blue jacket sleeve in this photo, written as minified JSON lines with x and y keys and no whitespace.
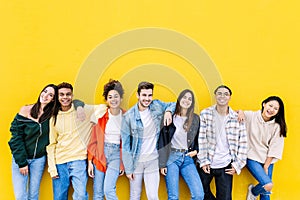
{"x":126,"y":145}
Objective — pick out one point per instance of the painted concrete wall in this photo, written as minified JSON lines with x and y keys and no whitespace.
{"x":253,"y":47}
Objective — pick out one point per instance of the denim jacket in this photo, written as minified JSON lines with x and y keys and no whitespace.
{"x":132,"y":131}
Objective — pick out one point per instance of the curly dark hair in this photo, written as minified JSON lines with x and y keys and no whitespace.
{"x":113,"y":85}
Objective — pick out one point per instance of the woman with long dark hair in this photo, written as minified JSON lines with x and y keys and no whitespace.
{"x":178,"y":147}
{"x":30,"y":136}
{"x":266,"y":130}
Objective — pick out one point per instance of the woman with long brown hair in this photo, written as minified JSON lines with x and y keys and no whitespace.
{"x":178,"y":147}
{"x":30,"y":136}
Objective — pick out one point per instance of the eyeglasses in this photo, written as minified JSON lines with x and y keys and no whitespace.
{"x":225,"y":94}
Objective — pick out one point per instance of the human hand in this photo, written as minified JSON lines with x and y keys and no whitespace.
{"x":121,"y":173}
{"x":192,"y":153}
{"x":24,"y":170}
{"x":206,"y":168}
{"x":167,"y":118}
{"x":241,"y":116}
{"x":230,"y":171}
{"x":80,"y":114}
{"x":91,"y":169}
{"x":163,"y":171}
{"x":130,"y":177}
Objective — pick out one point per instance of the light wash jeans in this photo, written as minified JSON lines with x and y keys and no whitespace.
{"x":76,"y":171}
{"x":105,"y":183}
{"x":178,"y":163}
{"x":27,"y":187}
{"x":150,"y":172}
{"x":258,"y":172}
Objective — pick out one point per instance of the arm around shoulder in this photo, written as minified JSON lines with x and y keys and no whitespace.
{"x":98,"y":112}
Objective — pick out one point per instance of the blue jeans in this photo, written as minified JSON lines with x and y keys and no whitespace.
{"x":223,"y":183}
{"x":179,"y":163}
{"x":258,"y":172}
{"x":28,"y":187}
{"x":74,"y":171}
{"x":105,"y":183}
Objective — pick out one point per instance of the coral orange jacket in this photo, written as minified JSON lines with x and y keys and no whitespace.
{"x":96,"y":144}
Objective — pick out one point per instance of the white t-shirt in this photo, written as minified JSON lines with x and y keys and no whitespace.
{"x":179,"y":140}
{"x":222,"y":156}
{"x":148,"y":149}
{"x":113,"y":128}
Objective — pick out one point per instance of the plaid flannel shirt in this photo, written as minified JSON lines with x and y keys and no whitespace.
{"x":236,"y":136}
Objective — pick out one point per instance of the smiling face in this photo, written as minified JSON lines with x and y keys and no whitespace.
{"x":222,"y":96}
{"x":47,"y":95}
{"x":144,"y":98}
{"x":65,"y":96}
{"x":113,"y":99}
{"x":270,"y":109}
{"x":186,"y":101}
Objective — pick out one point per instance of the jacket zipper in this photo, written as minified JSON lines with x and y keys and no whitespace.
{"x":37,"y":139}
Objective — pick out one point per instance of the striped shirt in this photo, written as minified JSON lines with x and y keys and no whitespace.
{"x":236,"y":135}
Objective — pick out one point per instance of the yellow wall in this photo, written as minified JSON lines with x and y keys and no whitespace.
{"x":252,"y":46}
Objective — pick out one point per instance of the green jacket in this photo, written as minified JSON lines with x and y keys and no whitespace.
{"x":29,"y":139}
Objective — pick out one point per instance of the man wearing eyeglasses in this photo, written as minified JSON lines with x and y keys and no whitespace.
{"x":222,"y":146}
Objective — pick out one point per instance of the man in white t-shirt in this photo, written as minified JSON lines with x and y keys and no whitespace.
{"x":139,"y":132}
{"x":222,"y":146}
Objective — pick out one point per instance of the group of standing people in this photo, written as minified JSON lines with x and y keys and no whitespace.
{"x":152,"y":137}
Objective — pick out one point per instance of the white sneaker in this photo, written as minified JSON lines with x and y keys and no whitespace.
{"x":250,"y":195}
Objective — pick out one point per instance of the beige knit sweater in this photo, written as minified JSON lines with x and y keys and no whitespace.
{"x":263,"y":138}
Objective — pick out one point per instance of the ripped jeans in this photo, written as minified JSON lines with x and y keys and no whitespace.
{"x":258,"y":172}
